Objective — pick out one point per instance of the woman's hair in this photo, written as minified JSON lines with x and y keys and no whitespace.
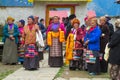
{"x":56,"y":17}
{"x":75,"y":21}
{"x":117,"y":23}
{"x":41,"y":20}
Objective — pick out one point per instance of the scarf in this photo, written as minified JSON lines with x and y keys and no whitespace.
{"x":69,"y":48}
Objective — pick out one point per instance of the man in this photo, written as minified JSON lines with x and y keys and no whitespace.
{"x":69,"y":25}
{"x":111,"y":28}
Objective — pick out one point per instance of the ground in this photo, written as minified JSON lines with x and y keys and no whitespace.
{"x":67,"y":74}
{"x":7,"y":69}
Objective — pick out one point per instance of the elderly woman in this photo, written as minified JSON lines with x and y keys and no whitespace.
{"x":92,"y":39}
{"x":76,"y":40}
{"x":54,"y":40}
{"x":103,"y":41}
{"x":31,"y":61}
{"x":114,"y":56}
{"x":10,"y":39}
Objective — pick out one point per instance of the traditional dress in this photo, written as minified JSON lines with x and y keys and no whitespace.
{"x":76,"y":42}
{"x":55,"y":34}
{"x":10,"y":55}
{"x":31,"y":60}
{"x":93,"y":35}
{"x":20,"y":49}
{"x":103,"y":41}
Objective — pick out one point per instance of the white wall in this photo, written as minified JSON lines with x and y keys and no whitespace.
{"x":39,"y":9}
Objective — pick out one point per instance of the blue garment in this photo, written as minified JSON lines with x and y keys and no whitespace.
{"x":94,"y":39}
{"x":42,"y":28}
{"x":6,"y":34}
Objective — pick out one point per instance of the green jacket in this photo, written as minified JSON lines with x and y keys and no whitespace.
{"x":6,"y":34}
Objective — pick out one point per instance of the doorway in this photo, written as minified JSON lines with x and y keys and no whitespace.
{"x":59,"y":10}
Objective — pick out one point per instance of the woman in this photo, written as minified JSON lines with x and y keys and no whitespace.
{"x":77,"y":42}
{"x":114,"y":56}
{"x":31,"y":61}
{"x":21,"y":24}
{"x":103,"y":41}
{"x":53,"y":40}
{"x":10,"y":39}
{"x":92,"y":39}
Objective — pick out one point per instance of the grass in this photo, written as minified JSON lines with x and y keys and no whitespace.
{"x":4,"y":74}
{"x":60,"y":72}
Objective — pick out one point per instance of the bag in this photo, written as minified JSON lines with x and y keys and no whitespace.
{"x":90,"y":56}
{"x":39,"y":39}
{"x":106,"y":55}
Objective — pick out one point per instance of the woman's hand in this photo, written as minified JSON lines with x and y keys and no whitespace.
{"x":86,"y":43}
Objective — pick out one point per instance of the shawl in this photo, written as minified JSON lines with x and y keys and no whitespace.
{"x":69,"y":48}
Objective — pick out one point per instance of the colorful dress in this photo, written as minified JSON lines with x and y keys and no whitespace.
{"x":53,"y":40}
{"x":93,"y":35}
{"x":10,"y":55}
{"x":74,"y":43}
{"x":31,"y":60}
{"x":20,"y":49}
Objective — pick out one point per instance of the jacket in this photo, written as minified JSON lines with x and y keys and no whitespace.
{"x":94,"y":39}
{"x":6,"y":34}
{"x":114,"y":45}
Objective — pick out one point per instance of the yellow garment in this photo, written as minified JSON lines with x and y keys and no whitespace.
{"x":55,"y":34}
{"x":59,"y":35}
{"x":49,"y":38}
{"x":69,"y":48}
{"x":62,"y":36}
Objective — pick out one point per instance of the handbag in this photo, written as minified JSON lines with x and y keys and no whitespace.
{"x":106,"y":55}
{"x":90,"y":57}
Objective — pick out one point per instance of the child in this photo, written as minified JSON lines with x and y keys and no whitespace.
{"x":21,"y":24}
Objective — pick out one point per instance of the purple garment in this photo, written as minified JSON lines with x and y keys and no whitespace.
{"x":61,"y":26}
{"x":10,"y":25}
{"x":55,"y":26}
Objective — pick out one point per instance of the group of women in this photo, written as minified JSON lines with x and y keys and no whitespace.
{"x":92,"y":36}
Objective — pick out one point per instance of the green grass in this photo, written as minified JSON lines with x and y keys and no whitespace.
{"x":0,"y":38}
{"x":3,"y":75}
{"x":60,"y":72}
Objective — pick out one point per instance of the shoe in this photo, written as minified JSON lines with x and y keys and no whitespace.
{"x":92,"y":74}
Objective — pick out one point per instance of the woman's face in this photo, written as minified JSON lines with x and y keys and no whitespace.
{"x":76,"y":25}
{"x":30,"y":21}
{"x":102,"y":21}
{"x":10,"y":21}
{"x":19,"y":24}
{"x":55,"y":19}
{"x":93,"y":23}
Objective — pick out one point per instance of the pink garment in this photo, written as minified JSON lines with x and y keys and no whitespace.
{"x":91,"y":14}
{"x":21,"y":30}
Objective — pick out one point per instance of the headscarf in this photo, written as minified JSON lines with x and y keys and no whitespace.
{"x":75,"y":21}
{"x":32,"y":17}
{"x":22,"y":22}
{"x":10,"y":18}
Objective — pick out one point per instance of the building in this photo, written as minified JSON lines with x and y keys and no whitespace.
{"x":43,"y":8}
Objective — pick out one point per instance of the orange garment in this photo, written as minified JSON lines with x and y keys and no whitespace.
{"x":29,"y":36}
{"x":69,"y":48}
